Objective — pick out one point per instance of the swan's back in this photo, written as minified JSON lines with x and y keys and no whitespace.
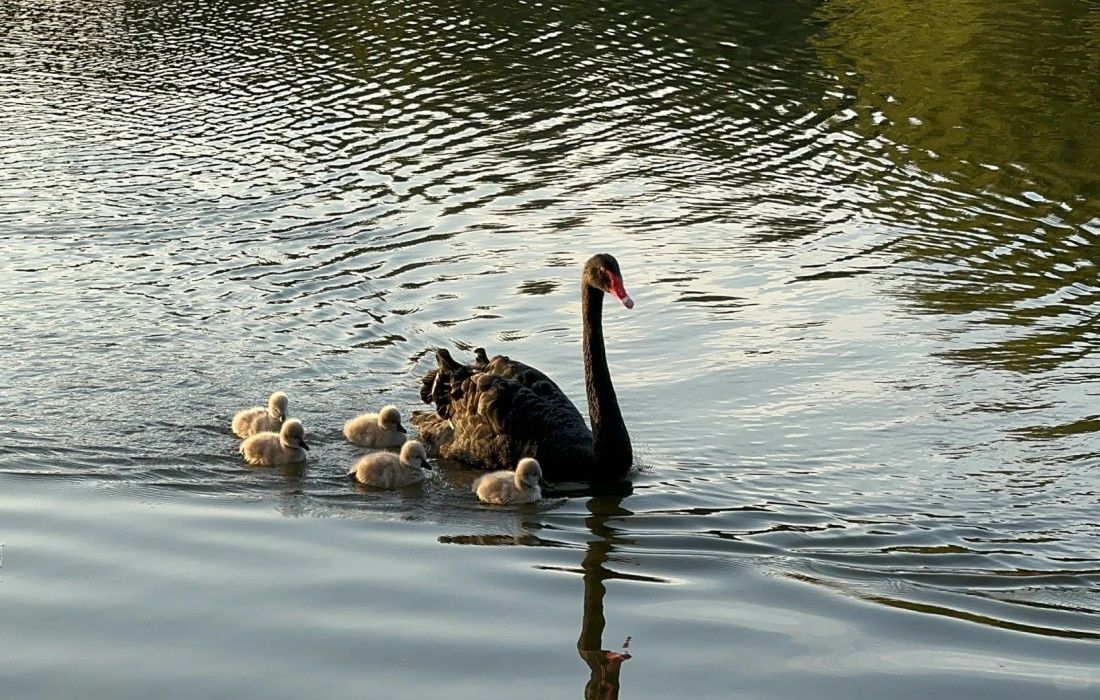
{"x":497,"y":416}
{"x":540,"y":384}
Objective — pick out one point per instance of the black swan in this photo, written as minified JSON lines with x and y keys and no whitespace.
{"x":495,"y":412}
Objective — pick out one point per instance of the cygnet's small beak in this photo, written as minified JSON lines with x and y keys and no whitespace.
{"x":303,"y":444}
{"x":426,"y":464}
{"x":401,"y":429}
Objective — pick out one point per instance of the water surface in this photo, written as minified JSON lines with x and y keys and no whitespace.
{"x":861,"y":377}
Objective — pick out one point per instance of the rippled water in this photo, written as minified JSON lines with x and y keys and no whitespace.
{"x":861,"y":377}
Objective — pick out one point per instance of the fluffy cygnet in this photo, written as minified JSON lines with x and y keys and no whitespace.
{"x":382,"y":429}
{"x":284,"y":447}
{"x":388,"y":471}
{"x":259,"y":419}
{"x":520,"y":486}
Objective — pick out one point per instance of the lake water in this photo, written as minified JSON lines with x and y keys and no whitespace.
{"x":861,"y":377}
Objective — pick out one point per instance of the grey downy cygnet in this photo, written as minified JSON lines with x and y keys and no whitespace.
{"x":505,"y":487}
{"x":284,"y":447}
{"x":382,"y":429}
{"x":259,"y":419}
{"x":385,"y":470}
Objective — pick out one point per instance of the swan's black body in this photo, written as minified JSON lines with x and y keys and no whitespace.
{"x":493,"y":413}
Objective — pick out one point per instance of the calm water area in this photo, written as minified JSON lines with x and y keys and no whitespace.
{"x":861,"y":378}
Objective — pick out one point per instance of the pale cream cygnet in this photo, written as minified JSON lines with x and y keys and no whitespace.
{"x":382,"y":429}
{"x":385,"y":470}
{"x":505,"y":487}
{"x":259,"y":419}
{"x":284,"y":447}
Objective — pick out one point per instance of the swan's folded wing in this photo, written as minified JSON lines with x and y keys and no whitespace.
{"x":536,"y":381}
{"x":498,"y":421}
{"x":442,"y":385}
{"x":491,"y":417}
{"x":427,"y":386}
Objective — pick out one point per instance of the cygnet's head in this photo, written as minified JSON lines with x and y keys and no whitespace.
{"x":293,"y":434}
{"x":389,"y":418}
{"x":277,"y":404}
{"x":528,"y":473}
{"x":414,"y":456}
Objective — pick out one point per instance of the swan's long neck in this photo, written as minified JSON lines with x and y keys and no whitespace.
{"x":610,"y":441}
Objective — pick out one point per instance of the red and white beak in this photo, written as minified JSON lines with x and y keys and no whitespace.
{"x":619,"y":291}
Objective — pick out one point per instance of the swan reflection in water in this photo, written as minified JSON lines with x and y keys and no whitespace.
{"x":604,"y":665}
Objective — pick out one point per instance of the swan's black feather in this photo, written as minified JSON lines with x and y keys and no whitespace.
{"x":494,"y":412}
{"x":502,"y":414}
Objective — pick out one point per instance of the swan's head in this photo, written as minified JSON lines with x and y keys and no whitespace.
{"x":293,"y":434}
{"x":602,"y":272}
{"x":414,"y":456}
{"x":389,"y":418}
{"x":528,"y":473}
{"x":277,"y":405}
